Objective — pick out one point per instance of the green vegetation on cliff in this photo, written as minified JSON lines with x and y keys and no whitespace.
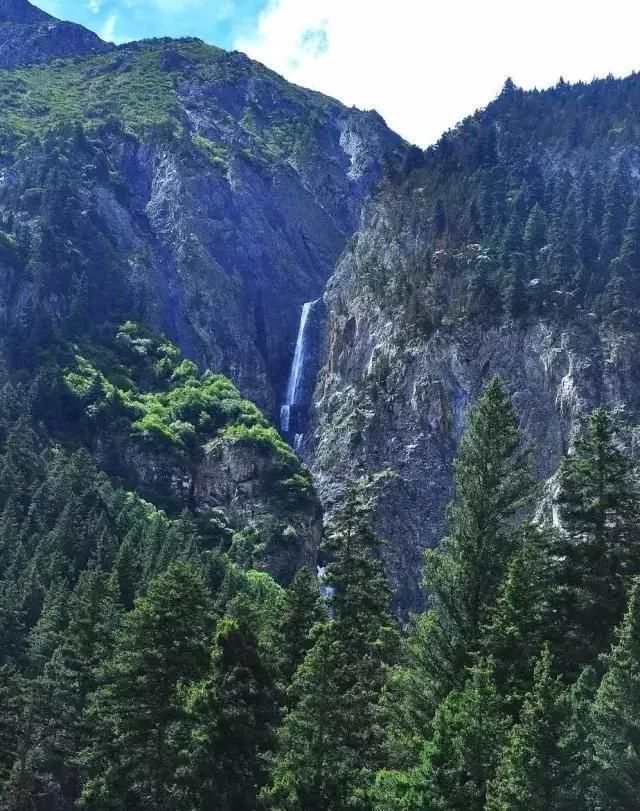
{"x":528,"y":209}
{"x":143,"y":88}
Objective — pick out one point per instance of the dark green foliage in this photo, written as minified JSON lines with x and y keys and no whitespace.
{"x":163,"y":643}
{"x":109,"y":693}
{"x":143,"y":664}
{"x":546,"y":174}
{"x":615,"y":730}
{"x":11,"y":708}
{"x":331,"y":743}
{"x":530,"y":773}
{"x":522,"y":617}
{"x":468,"y":729}
{"x":299,"y":611}
{"x":463,"y":575}
{"x":233,"y":714}
{"x":630,"y":250}
{"x":599,"y":506}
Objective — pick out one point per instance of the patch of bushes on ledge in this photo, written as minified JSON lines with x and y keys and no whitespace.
{"x":141,"y":381}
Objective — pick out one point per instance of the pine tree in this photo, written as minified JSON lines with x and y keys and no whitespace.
{"x":615,"y":736}
{"x":127,"y":573}
{"x":515,"y":294}
{"x":57,"y":701}
{"x":47,"y":634}
{"x":468,"y":731}
{"x":463,"y":575}
{"x":231,"y":716}
{"x":535,"y":235}
{"x":531,"y":770}
{"x":630,"y":250}
{"x":576,"y":744}
{"x":412,"y":692}
{"x":163,"y":643}
{"x":588,"y":231}
{"x":11,"y":722}
{"x":522,"y":617}
{"x":598,"y":502}
{"x":564,"y":256}
{"x":20,"y":466}
{"x":439,"y":218}
{"x":331,"y":743}
{"x":615,"y":214}
{"x":299,"y":612}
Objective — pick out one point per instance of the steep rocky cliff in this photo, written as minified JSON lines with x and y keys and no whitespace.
{"x":224,"y":194}
{"x":29,"y":36}
{"x":172,"y":185}
{"x":443,"y":287}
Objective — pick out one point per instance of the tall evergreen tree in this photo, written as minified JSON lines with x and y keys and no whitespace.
{"x":630,"y":250}
{"x":331,"y":743}
{"x":299,"y":611}
{"x":599,"y":511}
{"x":615,"y":736}
{"x":531,"y":770}
{"x":460,"y":757}
{"x":231,"y":716}
{"x":468,"y":730}
{"x":12,"y":697}
{"x":616,"y":203}
{"x":522,"y":618}
{"x":576,"y":743}
{"x":463,"y":575}
{"x":163,"y":643}
{"x":535,"y":235}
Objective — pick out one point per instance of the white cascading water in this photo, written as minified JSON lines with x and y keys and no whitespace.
{"x":326,"y":591}
{"x":295,"y":375}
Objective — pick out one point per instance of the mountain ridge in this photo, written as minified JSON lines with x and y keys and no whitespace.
{"x":30,"y":36}
{"x":507,"y":248}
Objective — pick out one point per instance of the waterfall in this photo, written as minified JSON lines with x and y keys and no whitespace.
{"x":327,"y":592}
{"x":292,"y":397}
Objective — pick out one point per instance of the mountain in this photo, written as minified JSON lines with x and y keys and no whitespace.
{"x":225,"y":194}
{"x":247,"y":335}
{"x":509,"y":248}
{"x":161,"y":198}
{"x":30,"y":36}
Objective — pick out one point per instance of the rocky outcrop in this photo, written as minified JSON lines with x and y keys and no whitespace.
{"x":288,"y":518}
{"x":392,"y":407}
{"x":226,"y":231}
{"x":30,"y":36}
{"x":238,"y":485}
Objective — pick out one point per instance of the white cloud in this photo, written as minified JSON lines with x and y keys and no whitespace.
{"x":94,"y":6}
{"x":108,"y":30}
{"x":425,"y":64}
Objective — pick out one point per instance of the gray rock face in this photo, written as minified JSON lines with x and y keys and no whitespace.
{"x":23,"y":12}
{"x":235,"y":482}
{"x":236,"y":478}
{"x":223,"y":250}
{"x":30,"y":36}
{"x":393,"y":407}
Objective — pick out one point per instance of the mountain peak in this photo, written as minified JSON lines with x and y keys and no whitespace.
{"x":30,"y":36}
{"x":21,"y":11}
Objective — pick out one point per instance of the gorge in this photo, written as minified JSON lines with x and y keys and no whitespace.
{"x":319,"y":451}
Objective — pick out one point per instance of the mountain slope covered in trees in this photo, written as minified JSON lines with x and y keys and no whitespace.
{"x":178,"y":629}
{"x":508,"y":248}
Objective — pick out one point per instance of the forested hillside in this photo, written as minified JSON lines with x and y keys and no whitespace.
{"x":147,"y":664}
{"x":193,"y":615}
{"x":509,"y":248}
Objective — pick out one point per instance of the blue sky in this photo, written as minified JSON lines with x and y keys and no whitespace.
{"x":220,"y":22}
{"x":423,"y":64}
